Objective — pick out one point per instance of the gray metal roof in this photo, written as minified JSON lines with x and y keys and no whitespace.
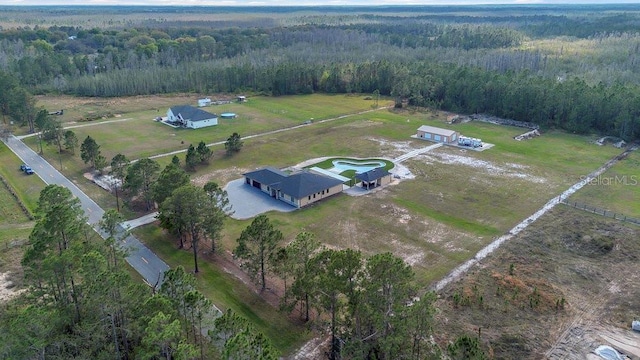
{"x":188,"y":112}
{"x":297,"y":185}
{"x":372,"y":175}
{"x":305,"y":183}
{"x":267,"y":176}
{"x":436,"y":130}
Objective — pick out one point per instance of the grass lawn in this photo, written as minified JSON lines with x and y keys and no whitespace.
{"x":15,"y":225}
{"x":142,"y":137}
{"x":458,"y":202}
{"x":27,"y":187}
{"x":227,"y":292}
{"x":616,"y":190}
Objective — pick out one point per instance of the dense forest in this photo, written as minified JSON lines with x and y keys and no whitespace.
{"x":560,"y":67}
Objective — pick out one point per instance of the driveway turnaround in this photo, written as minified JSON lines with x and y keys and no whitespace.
{"x":150,"y":266}
{"x":247,"y":201}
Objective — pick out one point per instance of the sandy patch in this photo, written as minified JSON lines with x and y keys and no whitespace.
{"x":394,"y":148}
{"x":312,"y":161}
{"x":7,"y":288}
{"x":410,"y":254}
{"x":486,"y":166}
{"x":398,"y":148}
{"x":399,"y":214}
{"x":221,"y":177}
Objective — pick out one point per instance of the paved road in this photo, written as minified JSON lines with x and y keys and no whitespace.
{"x":150,"y":266}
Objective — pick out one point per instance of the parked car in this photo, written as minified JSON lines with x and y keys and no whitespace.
{"x":26,"y":169}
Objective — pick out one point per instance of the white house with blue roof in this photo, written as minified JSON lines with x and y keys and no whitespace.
{"x":297,"y":189}
{"x":191,"y":117}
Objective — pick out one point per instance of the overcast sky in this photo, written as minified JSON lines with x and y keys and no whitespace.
{"x":303,"y":2}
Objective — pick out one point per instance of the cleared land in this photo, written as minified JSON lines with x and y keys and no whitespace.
{"x":558,"y":290}
{"x":458,"y":202}
{"x":617,"y":190}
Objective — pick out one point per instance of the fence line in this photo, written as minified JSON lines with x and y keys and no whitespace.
{"x":601,"y":211}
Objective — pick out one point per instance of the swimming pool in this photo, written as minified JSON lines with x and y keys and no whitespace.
{"x":359,"y":166}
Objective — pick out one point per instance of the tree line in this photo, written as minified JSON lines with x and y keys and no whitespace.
{"x":81,"y":303}
{"x":451,"y":64}
{"x":571,"y":105}
{"x":369,"y":306}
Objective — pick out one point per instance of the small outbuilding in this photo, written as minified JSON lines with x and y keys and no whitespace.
{"x":374,"y":178}
{"x":436,"y":134}
{"x":204,"y":102}
{"x":241,"y":98}
{"x":191,"y":117}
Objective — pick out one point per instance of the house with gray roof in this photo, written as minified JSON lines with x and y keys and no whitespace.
{"x":191,"y":117}
{"x":374,"y":178}
{"x":297,"y":189}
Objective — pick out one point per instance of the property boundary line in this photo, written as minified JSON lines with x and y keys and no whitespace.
{"x":601,"y":211}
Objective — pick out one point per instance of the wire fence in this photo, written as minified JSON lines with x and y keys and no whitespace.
{"x":601,"y":211}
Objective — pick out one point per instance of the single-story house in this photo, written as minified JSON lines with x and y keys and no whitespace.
{"x":374,"y":178}
{"x":191,"y":117}
{"x":297,"y":189}
{"x":433,"y":133}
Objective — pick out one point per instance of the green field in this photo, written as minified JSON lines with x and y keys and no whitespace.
{"x":617,"y":190}
{"x":15,"y":225}
{"x":478,"y":194}
{"x":458,"y":202}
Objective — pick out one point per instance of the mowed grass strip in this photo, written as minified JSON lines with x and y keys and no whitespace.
{"x":27,"y":187}
{"x":15,"y":226}
{"x":617,"y":190}
{"x":227,"y":292}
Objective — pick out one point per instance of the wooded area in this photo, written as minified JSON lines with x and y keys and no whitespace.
{"x":560,"y":67}
{"x":557,"y":67}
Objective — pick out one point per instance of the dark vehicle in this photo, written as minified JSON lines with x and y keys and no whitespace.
{"x":27,"y":169}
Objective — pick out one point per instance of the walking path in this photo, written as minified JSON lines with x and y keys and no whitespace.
{"x":143,"y":220}
{"x":77,"y":126}
{"x":415,"y":153}
{"x":274,"y":131}
{"x":460,"y":270}
{"x":148,"y":264}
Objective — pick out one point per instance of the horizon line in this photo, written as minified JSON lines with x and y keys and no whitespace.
{"x":456,"y":4}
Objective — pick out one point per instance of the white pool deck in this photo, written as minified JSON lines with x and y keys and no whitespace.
{"x":329,"y":173}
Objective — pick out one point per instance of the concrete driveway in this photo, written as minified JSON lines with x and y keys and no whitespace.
{"x":248,"y":202}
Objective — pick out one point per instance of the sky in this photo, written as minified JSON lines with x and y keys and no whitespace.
{"x":302,"y":2}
